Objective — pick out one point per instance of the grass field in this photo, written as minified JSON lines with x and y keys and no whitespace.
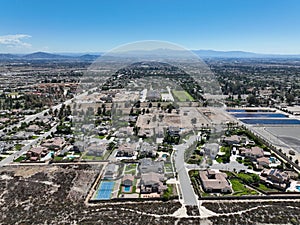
{"x":182,"y":96}
{"x":240,"y":189}
{"x":130,"y":169}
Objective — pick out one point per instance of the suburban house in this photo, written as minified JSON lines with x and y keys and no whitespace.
{"x":127,"y":150}
{"x":145,"y":132}
{"x":79,"y":146}
{"x":152,"y":182}
{"x":125,"y":132}
{"x":147,"y":165}
{"x":34,"y":128}
{"x":147,"y":150}
{"x":127,"y":180}
{"x":173,"y":131}
{"x":110,"y":171}
{"x":96,"y":149}
{"x":252,"y":153}
{"x":232,"y":140}
{"x":214,"y":181}
{"x":263,"y":161}
{"x":275,"y":177}
{"x":36,"y":153}
{"x":54,"y":143}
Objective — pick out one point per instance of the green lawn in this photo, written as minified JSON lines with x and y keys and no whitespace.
{"x":265,"y":188}
{"x":226,"y":157}
{"x":88,"y":157}
{"x":101,"y":136}
{"x":58,"y":158}
{"x":182,"y":96}
{"x":18,"y":147}
{"x":240,"y":189}
{"x":22,"y":157}
{"x":168,"y":168}
{"x":130,"y":169}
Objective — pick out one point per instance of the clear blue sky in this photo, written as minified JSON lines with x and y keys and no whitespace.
{"x":265,"y":26}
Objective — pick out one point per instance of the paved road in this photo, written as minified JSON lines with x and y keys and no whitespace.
{"x":188,"y":194}
{"x":26,"y":147}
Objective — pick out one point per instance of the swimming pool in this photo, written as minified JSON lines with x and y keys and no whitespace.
{"x":272,"y":121}
{"x":259,"y":115}
{"x":272,"y":160}
{"x":164,"y":156}
{"x":298,"y":188}
{"x":104,"y":190}
{"x":126,"y":188}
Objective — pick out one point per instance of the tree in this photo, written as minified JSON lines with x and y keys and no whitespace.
{"x":99,"y":111}
{"x":194,"y":120}
{"x":252,"y":100}
{"x":289,"y":98}
{"x":138,"y":104}
{"x":131,"y":112}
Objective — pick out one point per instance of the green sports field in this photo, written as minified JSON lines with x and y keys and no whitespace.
{"x":182,"y":96}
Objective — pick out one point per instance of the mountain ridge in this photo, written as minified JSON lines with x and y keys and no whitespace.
{"x":90,"y":57}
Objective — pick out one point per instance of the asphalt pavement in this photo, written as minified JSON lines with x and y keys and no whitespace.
{"x":188,"y":194}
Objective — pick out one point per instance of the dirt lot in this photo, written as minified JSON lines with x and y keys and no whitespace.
{"x":55,"y":195}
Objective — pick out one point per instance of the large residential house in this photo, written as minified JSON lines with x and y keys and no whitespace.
{"x":263,"y":161}
{"x":215,"y":182}
{"x":152,"y":182}
{"x":232,"y":140}
{"x":56,"y":143}
{"x":110,"y":171}
{"x":252,"y":153}
{"x":275,"y":177}
{"x":36,"y":153}
{"x":127,"y":180}
{"x":127,"y":150}
{"x":34,"y":128}
{"x":147,"y":165}
{"x":174,"y":131}
{"x":96,"y":149}
{"x":147,"y":150}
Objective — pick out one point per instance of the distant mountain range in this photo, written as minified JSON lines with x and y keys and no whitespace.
{"x":48,"y":56}
{"x":94,"y":56}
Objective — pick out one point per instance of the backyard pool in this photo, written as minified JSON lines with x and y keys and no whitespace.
{"x":126,"y":188}
{"x":298,"y":188}
{"x":104,"y":190}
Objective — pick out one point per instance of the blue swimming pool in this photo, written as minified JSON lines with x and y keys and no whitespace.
{"x":272,"y":160}
{"x":259,"y":115}
{"x":298,"y":188}
{"x":127,"y":188}
{"x":104,"y":190}
{"x":272,"y":121}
